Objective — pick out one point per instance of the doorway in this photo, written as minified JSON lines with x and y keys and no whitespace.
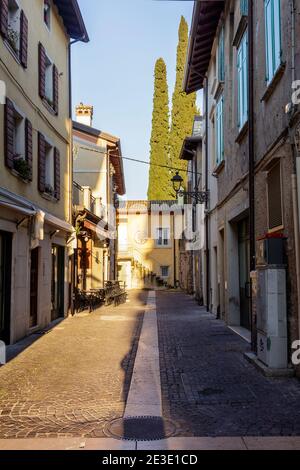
{"x":34,"y":276}
{"x":57,"y":282}
{"x":244,"y":272}
{"x":5,"y":285}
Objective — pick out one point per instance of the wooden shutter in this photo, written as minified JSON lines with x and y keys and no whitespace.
{"x":4,"y":17}
{"x":28,"y":145}
{"x":55,"y":89}
{"x":42,"y":71}
{"x":9,"y":133}
{"x":274,"y":197}
{"x":23,"y":39}
{"x":41,"y":162}
{"x":57,"y":173}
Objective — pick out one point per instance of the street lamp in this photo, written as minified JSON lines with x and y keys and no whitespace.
{"x":201,"y":197}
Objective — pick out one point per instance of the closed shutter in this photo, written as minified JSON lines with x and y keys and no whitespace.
{"x":55,"y":89}
{"x":221,"y":57}
{"x":28,"y":145}
{"x":41,"y":163}
{"x":42,"y":70}
{"x":272,"y":37}
{"x":23,"y":39}
{"x":9,"y":133}
{"x":274,"y":197}
{"x":57,"y":173}
{"x":4,"y":17}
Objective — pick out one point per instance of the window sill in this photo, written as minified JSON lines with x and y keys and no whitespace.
{"x":49,"y":107}
{"x":48,"y":197}
{"x":20,"y":177}
{"x":12,"y":51}
{"x":242,"y":133}
{"x":276,"y":229}
{"x":275,"y":80}
{"x":219,"y":90}
{"x":219,"y":168}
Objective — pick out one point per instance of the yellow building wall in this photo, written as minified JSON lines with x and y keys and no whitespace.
{"x":22,"y":87}
{"x":137,"y":244}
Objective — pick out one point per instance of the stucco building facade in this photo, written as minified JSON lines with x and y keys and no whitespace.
{"x":36,"y":162}
{"x":243,"y":54}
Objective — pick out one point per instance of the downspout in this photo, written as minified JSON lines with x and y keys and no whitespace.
{"x":295,"y":179}
{"x":207,"y":202}
{"x":251,"y":162}
{"x":73,"y":257}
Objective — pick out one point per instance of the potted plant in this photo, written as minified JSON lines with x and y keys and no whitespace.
{"x":22,"y":167}
{"x":13,"y":39}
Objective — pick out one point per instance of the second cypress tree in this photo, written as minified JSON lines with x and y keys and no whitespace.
{"x":183,"y":105}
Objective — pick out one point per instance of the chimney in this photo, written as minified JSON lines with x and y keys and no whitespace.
{"x":84,"y":114}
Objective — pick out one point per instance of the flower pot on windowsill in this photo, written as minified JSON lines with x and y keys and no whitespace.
{"x":13,"y":39}
{"x":22,"y":167}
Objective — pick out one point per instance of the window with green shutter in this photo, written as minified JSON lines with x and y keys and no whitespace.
{"x":273,"y":37}
{"x":242,"y":66}
{"x":221,"y":57}
{"x":244,"y":7}
{"x":220,"y":130}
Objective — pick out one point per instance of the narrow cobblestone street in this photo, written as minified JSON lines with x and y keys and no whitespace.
{"x":75,"y":379}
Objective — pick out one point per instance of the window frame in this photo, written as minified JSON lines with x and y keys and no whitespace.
{"x":221,"y":56}
{"x":219,"y":130}
{"x":17,"y":48}
{"x":163,"y":238}
{"x":281,"y":226}
{"x":49,"y":154}
{"x":161,"y":271}
{"x":242,"y":81}
{"x":273,"y":38}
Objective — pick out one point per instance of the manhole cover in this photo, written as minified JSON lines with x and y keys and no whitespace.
{"x":140,"y":428}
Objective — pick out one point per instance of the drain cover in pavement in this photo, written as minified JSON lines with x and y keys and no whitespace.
{"x":141,"y":428}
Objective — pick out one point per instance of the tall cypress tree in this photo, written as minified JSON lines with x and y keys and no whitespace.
{"x":183,"y":105}
{"x":159,"y":177}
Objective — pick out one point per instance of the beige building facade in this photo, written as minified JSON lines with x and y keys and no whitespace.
{"x":36,"y":163}
{"x":98,"y":184}
{"x":148,"y":251}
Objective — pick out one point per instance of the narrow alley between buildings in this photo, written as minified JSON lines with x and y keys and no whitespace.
{"x":76,"y":381}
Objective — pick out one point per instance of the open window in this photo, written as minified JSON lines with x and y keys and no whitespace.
{"x":14,"y":22}
{"x":49,"y":81}
{"x":49,"y":169}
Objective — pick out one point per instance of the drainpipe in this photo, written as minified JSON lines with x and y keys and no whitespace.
{"x":295,"y":176}
{"x":73,"y":257}
{"x":207,"y":202}
{"x":251,"y":161}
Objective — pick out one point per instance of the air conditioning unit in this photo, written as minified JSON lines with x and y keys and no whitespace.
{"x":272,"y":317}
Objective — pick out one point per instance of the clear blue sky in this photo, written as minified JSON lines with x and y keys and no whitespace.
{"x":114,"y":72}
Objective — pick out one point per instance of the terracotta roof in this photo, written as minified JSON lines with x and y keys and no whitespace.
{"x":70,"y":12}
{"x":206,"y":16}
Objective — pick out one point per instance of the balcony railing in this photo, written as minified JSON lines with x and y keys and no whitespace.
{"x":82,"y":196}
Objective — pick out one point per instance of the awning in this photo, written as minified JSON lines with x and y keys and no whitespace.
{"x":17,"y":208}
{"x":58,"y":223}
{"x":205,"y":21}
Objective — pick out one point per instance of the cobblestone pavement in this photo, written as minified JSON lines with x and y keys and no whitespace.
{"x":208,"y":387}
{"x":73,"y":379}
